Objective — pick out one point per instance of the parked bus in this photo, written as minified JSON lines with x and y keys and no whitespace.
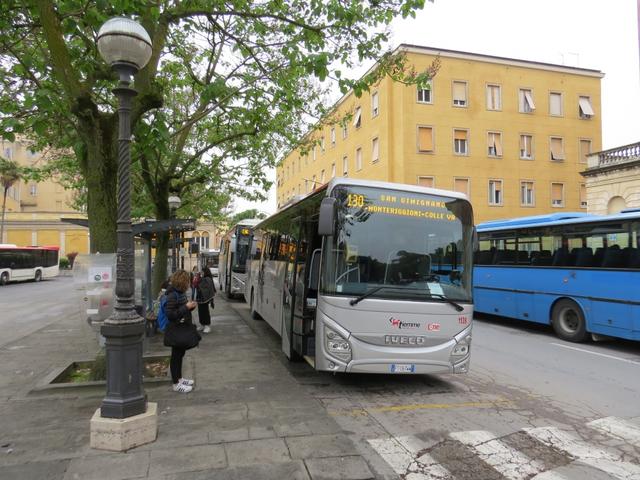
{"x":234,"y":251}
{"x":27,"y":263}
{"x":578,"y":272}
{"x":364,"y":276}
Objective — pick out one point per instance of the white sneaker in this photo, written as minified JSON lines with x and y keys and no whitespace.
{"x":182,"y":388}
{"x":200,"y":328}
{"x":206,"y":329}
{"x":186,"y":381}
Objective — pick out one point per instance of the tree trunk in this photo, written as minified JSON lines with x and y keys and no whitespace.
{"x":4,"y":206}
{"x":100,"y":170}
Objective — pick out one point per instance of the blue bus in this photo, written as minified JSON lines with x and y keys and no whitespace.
{"x":578,"y":272}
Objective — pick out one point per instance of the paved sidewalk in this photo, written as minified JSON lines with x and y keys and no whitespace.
{"x":248,"y":418}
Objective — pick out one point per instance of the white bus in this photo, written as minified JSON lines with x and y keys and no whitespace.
{"x":363,"y":276}
{"x":27,"y":263}
{"x":232,"y":263}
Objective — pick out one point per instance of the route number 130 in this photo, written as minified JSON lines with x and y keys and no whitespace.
{"x":354,"y":200}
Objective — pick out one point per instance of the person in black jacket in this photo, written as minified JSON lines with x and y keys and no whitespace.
{"x":206,"y":291}
{"x":178,"y":308}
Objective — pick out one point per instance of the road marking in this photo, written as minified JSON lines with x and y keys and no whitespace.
{"x":422,"y":406}
{"x":549,"y":475}
{"x":616,"y":427}
{"x":506,"y":460}
{"x":593,"y":456}
{"x":400,"y":454}
{"x":626,"y":360}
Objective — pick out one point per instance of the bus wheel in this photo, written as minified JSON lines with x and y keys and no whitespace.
{"x":568,"y":321}
{"x":4,"y":278}
{"x":254,"y":314}
{"x":38,"y":276}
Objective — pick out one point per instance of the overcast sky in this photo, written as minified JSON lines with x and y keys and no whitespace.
{"x":597,"y":34}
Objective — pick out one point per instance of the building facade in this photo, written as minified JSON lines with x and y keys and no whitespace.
{"x":613,"y":180}
{"x":514,"y":135}
{"x":34,"y":209}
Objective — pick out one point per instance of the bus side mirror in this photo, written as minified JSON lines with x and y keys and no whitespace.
{"x":326,"y":221}
{"x":314,"y":272}
{"x":476,"y":243}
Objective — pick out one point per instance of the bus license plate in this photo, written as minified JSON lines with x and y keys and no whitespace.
{"x":403,"y":368}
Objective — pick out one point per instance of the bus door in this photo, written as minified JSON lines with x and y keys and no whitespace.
{"x":289,"y":291}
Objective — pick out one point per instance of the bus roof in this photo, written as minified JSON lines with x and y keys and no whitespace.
{"x":13,"y":246}
{"x":565,"y":218}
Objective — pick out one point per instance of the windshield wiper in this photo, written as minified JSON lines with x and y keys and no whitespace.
{"x":457,"y":306}
{"x":357,"y":300}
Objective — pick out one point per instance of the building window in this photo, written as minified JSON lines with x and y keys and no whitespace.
{"x":494,"y":101}
{"x":59,"y":205}
{"x":585,"y":110}
{"x":333,"y":170}
{"x":425,"y":139}
{"x":555,"y":104}
{"x":426,"y":182}
{"x":459,"y":94}
{"x":33,"y":189}
{"x":345,"y":166}
{"x":313,"y":153}
{"x":525,"y":101}
{"x":527,"y":194}
{"x":583,"y":195}
{"x":526,"y":147}
{"x":333,"y":136}
{"x":461,"y":185}
{"x":495,"y":192}
{"x":375,"y":150}
{"x":322,"y":177}
{"x":557,"y":148}
{"x":585,"y":150}
{"x":557,"y":194}
{"x":322,"y":144}
{"x":460,"y":142}
{"x":358,"y":159}
{"x":357,"y":118}
{"x":494,"y":144}
{"x":425,"y":95}
{"x":344,"y":130}
{"x":375,"y":107}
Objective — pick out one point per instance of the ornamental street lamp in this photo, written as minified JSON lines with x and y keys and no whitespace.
{"x":126,"y":46}
{"x":174,"y":204}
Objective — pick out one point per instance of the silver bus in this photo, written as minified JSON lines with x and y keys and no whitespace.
{"x":232,"y":263}
{"x":364,"y":276}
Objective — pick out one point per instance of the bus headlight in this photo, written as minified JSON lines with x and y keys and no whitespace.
{"x":462,"y":347}
{"x":337,"y":345}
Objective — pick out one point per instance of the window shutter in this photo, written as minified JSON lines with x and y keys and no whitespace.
{"x":425,"y":182}
{"x":529,"y":99}
{"x":585,"y":106}
{"x":556,"y":192}
{"x":375,"y":154}
{"x":459,"y":91}
{"x":461,"y":185}
{"x":555,"y":104}
{"x":557,"y":152}
{"x":498,"y":143}
{"x":460,"y":134}
{"x":425,"y":139}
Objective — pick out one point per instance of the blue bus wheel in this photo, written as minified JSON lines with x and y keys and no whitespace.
{"x":568,"y":321}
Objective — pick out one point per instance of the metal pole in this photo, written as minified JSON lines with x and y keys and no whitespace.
{"x":124,"y":330}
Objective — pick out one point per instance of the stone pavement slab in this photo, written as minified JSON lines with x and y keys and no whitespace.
{"x":186,"y":459}
{"x":108,"y":467}
{"x":318,"y":446}
{"x":52,"y":470}
{"x":272,"y":450}
{"x":339,"y":468}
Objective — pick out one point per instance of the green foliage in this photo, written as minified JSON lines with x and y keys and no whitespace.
{"x":64,"y":264}
{"x":251,"y":213}
{"x":229,"y":89}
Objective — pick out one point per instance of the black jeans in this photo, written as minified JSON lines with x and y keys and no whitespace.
{"x":175,"y":365}
{"x":204,"y":315}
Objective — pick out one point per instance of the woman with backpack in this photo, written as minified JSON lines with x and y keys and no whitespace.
{"x":180,"y":333}
{"x":206,"y":290}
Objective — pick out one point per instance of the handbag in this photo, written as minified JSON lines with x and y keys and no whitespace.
{"x":181,"y":335}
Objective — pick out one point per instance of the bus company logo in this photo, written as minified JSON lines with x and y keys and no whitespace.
{"x":399,"y":324}
{"x":433,"y":327}
{"x":408,"y":340}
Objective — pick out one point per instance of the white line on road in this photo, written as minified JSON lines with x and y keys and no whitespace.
{"x":586,"y":453}
{"x":400,"y":454}
{"x":549,"y":475}
{"x":618,"y":428}
{"x":506,"y":460}
{"x":626,"y":360}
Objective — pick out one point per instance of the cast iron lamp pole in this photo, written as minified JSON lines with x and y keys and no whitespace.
{"x":174,"y":204}
{"x":126,"y":46}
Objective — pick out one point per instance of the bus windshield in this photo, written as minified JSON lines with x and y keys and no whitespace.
{"x":242,"y":250}
{"x":414,"y":245}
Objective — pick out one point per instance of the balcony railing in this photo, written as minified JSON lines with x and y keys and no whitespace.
{"x":614,"y":156}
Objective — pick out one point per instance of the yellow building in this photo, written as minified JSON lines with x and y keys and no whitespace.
{"x":34,"y":210}
{"x":512,"y":134}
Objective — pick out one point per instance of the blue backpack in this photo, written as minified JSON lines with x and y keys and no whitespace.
{"x":162,"y":321}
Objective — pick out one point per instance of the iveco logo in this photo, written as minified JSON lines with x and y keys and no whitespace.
{"x":404,"y":340}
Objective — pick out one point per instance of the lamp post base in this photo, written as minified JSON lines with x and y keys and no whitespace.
{"x":125,"y":395}
{"x":121,"y":434}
